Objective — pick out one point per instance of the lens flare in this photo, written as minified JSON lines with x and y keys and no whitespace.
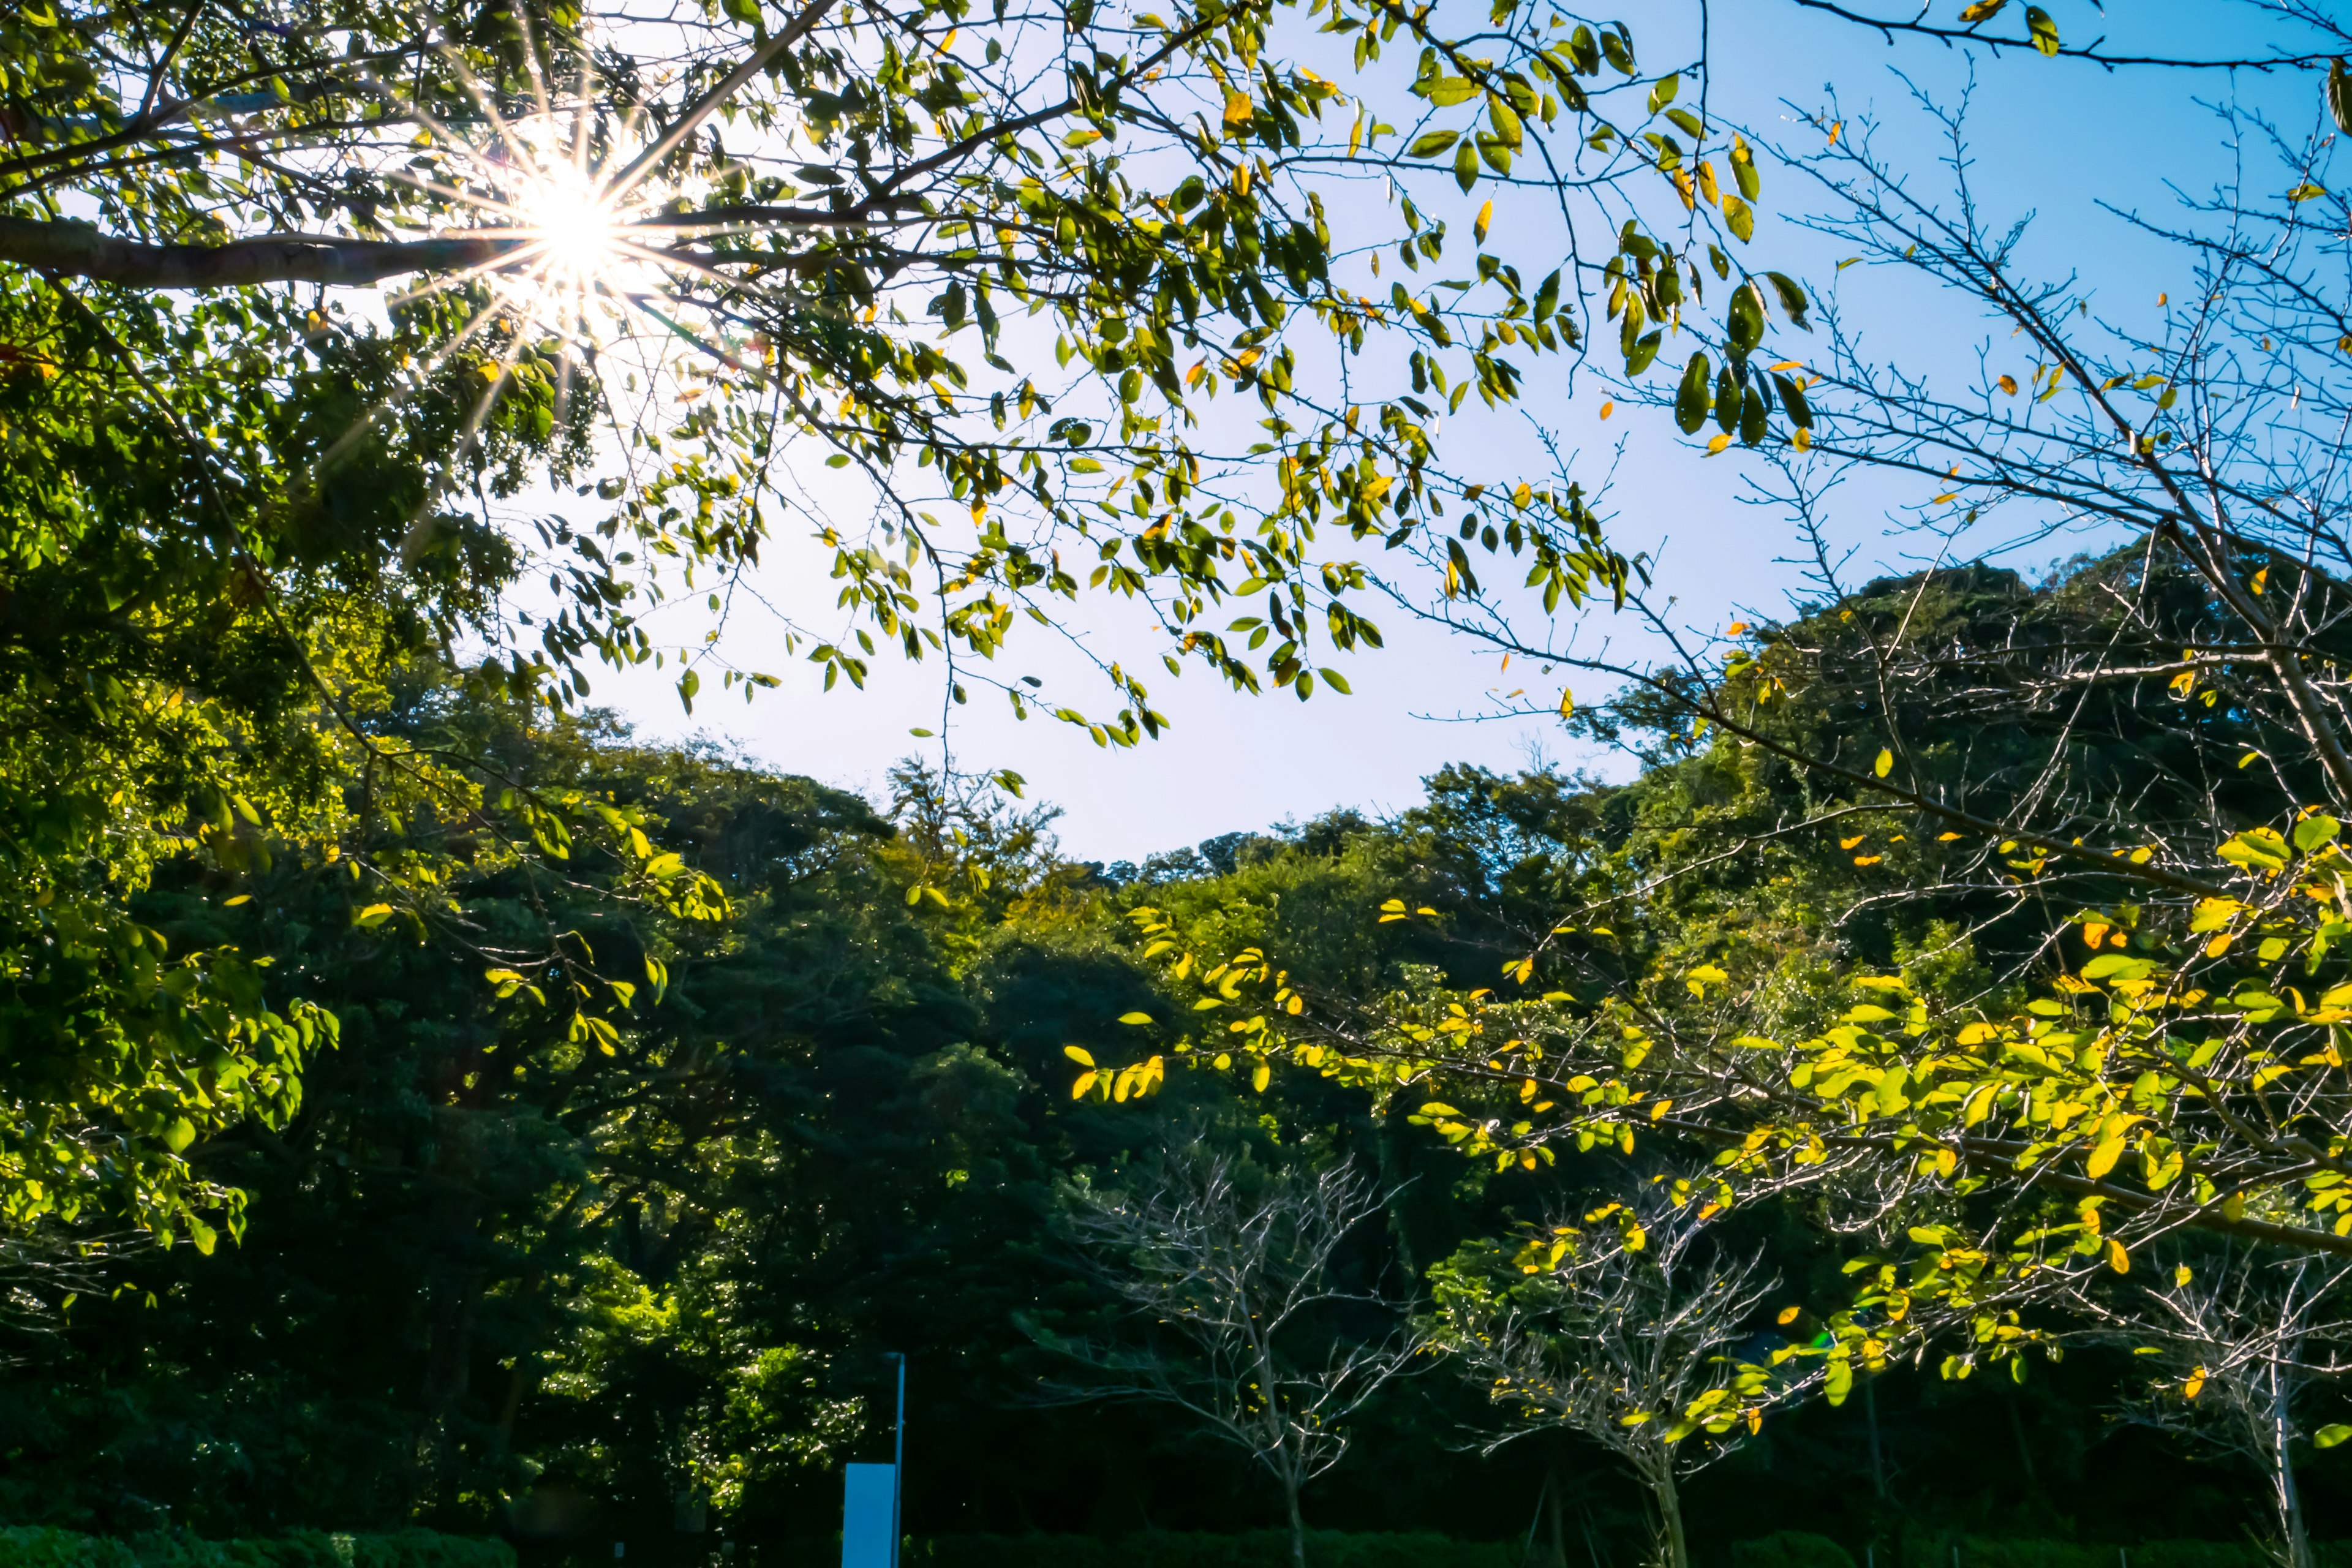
{"x":571,"y":223}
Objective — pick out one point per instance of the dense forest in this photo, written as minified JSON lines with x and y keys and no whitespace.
{"x":498,"y":1277}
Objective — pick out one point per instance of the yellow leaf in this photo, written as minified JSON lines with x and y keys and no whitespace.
{"x":1606,"y":407}
{"x":1261,"y":1078}
{"x":2194,"y":1385}
{"x":2183,"y":1275}
{"x":2117,"y":1258}
{"x":2102,"y":1160}
{"x":1086,"y":1081}
{"x":1479,"y":225}
{"x":1788,"y":1315}
{"x":1135,"y":1017}
{"x":1079,"y":1055}
{"x":1946,"y":837}
{"x":240,"y":898}
{"x":2007,"y":384}
{"x":1237,"y":109}
{"x":1886,"y":763}
{"x":1718,"y":444}
{"x":1868,"y":859}
{"x":1850,"y":843}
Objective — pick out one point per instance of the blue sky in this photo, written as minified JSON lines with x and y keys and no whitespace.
{"x":2050,"y":138}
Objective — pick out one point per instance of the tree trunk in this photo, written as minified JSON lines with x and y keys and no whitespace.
{"x":1676,"y":1550}
{"x":2294,"y":1539}
{"x":1298,"y":1523}
{"x":1870,"y":1417}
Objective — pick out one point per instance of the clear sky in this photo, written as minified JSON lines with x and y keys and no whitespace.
{"x":2054,"y":139}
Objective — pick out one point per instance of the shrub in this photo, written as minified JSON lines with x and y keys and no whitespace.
{"x":1790,"y":1549}
{"x":1169,"y":1548}
{"x":40,"y":1547}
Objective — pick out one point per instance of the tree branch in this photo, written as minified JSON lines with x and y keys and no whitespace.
{"x":78,"y":251}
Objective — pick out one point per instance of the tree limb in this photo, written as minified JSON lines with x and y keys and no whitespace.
{"x":79,"y":250}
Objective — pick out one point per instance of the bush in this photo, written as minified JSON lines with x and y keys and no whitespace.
{"x":1925,"y":1551}
{"x":1790,"y":1549}
{"x":1169,"y":1548}
{"x":39,"y":1547}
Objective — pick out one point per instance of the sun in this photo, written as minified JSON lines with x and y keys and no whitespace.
{"x":570,"y":225}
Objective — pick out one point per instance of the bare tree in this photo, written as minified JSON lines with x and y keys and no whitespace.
{"x":2238,"y":1350}
{"x":1248,"y":1319}
{"x":1624,"y":1336}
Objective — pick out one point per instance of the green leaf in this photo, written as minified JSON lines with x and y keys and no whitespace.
{"x":1739,"y":217}
{"x":1506,"y":120}
{"x":1743,"y":169}
{"x":1692,"y":399}
{"x":1744,"y":323}
{"x":1433,"y":143}
{"x":2042,"y":29}
{"x":1793,"y":302}
{"x":2256,"y":849}
{"x":1645,"y":350}
{"x":1755,"y":417}
{"x":1446,"y":91}
{"x":1548,"y":295}
{"x":2339,"y":96}
{"x":1792,"y":399}
{"x":2328,"y":1436}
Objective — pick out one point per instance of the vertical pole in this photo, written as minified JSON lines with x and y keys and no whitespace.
{"x":898,"y":1461}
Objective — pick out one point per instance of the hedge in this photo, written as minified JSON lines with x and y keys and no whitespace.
{"x":1790,"y":1549}
{"x":1926,"y":1551}
{"x":1333,"y":1549}
{"x":40,"y":1547}
{"x":1172,"y":1549}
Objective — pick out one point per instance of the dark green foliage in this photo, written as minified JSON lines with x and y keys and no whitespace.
{"x":36,"y":1547}
{"x":489,"y":1264}
{"x":1252,"y":1549}
{"x":1790,"y":1549}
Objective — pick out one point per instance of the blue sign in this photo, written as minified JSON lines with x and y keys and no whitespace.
{"x":869,"y":1516}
